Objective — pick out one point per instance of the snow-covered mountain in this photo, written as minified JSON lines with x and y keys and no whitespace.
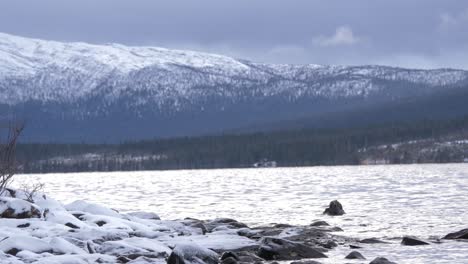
{"x":78,"y":82}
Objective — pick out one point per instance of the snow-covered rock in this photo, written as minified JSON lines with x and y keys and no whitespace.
{"x":17,"y":208}
{"x":192,"y":254}
{"x":83,"y":206}
{"x":14,"y":244}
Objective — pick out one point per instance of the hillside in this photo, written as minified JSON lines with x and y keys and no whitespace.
{"x":79,"y":92}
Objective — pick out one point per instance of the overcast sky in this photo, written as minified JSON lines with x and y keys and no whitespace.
{"x":409,"y":33}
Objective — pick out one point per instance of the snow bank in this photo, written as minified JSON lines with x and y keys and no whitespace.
{"x":46,"y":231}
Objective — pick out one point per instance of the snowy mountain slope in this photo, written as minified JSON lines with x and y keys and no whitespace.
{"x":49,"y":80}
{"x":33,"y":69}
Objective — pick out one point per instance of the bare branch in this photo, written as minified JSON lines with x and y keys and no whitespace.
{"x":8,"y":141}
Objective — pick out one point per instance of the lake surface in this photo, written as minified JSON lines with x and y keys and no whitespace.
{"x":385,"y":202}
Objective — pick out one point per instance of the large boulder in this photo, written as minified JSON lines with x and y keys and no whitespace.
{"x":462,"y":234}
{"x":17,"y":208}
{"x":335,"y":208}
{"x":14,"y":244}
{"x":413,"y":241}
{"x":272,"y":248}
{"x":192,"y":254}
{"x":381,"y":260}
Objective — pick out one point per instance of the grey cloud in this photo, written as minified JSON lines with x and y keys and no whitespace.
{"x":417,"y":33}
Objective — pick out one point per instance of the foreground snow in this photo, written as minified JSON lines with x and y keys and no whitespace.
{"x":82,"y":232}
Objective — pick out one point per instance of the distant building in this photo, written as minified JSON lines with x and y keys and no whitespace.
{"x":375,"y":162}
{"x":265,"y":164}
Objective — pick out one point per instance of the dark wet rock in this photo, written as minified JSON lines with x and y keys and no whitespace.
{"x":462,"y":234}
{"x":319,"y":223}
{"x":282,"y":226}
{"x":355,"y":255}
{"x":24,"y":225}
{"x":314,"y":237}
{"x":281,"y":249}
{"x":224,"y":220}
{"x":229,"y":257}
{"x":17,"y":208}
{"x":78,"y":216}
{"x":329,"y":244}
{"x":381,"y":260}
{"x":13,"y":251}
{"x":413,"y":241}
{"x":247,"y":232}
{"x":372,"y":241}
{"x":72,"y":225}
{"x":248,"y":256}
{"x":229,"y":254}
{"x":202,"y":227}
{"x":188,"y":253}
{"x":223,"y":223}
{"x":229,"y":260}
{"x":267,"y":231}
{"x":354,"y":246}
{"x":123,"y":259}
{"x":335,"y":208}
{"x":101,"y":223}
{"x":305,"y":262}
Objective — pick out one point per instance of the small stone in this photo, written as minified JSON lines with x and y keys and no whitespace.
{"x":372,"y":241}
{"x":381,"y":260}
{"x":355,"y":255}
{"x":72,"y":225}
{"x":319,"y":223}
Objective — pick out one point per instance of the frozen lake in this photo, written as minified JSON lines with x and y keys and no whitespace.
{"x":385,"y":202}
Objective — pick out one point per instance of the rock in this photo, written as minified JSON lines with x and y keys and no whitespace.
{"x":201,"y":226}
{"x":24,"y":225}
{"x":412,"y":241}
{"x":145,"y":215}
{"x":70,"y":225}
{"x":282,"y":225}
{"x":335,"y":208}
{"x":229,"y":260}
{"x":372,"y":241}
{"x":229,"y":254}
{"x":462,"y":234}
{"x":272,"y":248}
{"x":355,"y":255}
{"x":305,"y":262}
{"x":17,"y":208}
{"x":381,"y":261}
{"x":192,"y":253}
{"x":354,"y":246}
{"x":248,"y":257}
{"x":319,"y":223}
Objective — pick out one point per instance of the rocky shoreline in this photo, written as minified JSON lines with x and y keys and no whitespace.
{"x":38,"y":229}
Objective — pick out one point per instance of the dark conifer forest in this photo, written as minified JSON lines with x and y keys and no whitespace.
{"x":302,"y":147}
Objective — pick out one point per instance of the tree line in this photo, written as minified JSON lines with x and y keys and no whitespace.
{"x":303,"y":147}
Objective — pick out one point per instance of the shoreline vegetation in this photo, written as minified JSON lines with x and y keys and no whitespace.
{"x":429,"y":141}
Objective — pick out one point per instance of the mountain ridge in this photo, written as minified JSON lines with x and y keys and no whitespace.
{"x":51,"y":82}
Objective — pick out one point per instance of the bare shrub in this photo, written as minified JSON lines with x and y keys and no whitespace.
{"x":31,"y":190}
{"x":8,"y":138}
